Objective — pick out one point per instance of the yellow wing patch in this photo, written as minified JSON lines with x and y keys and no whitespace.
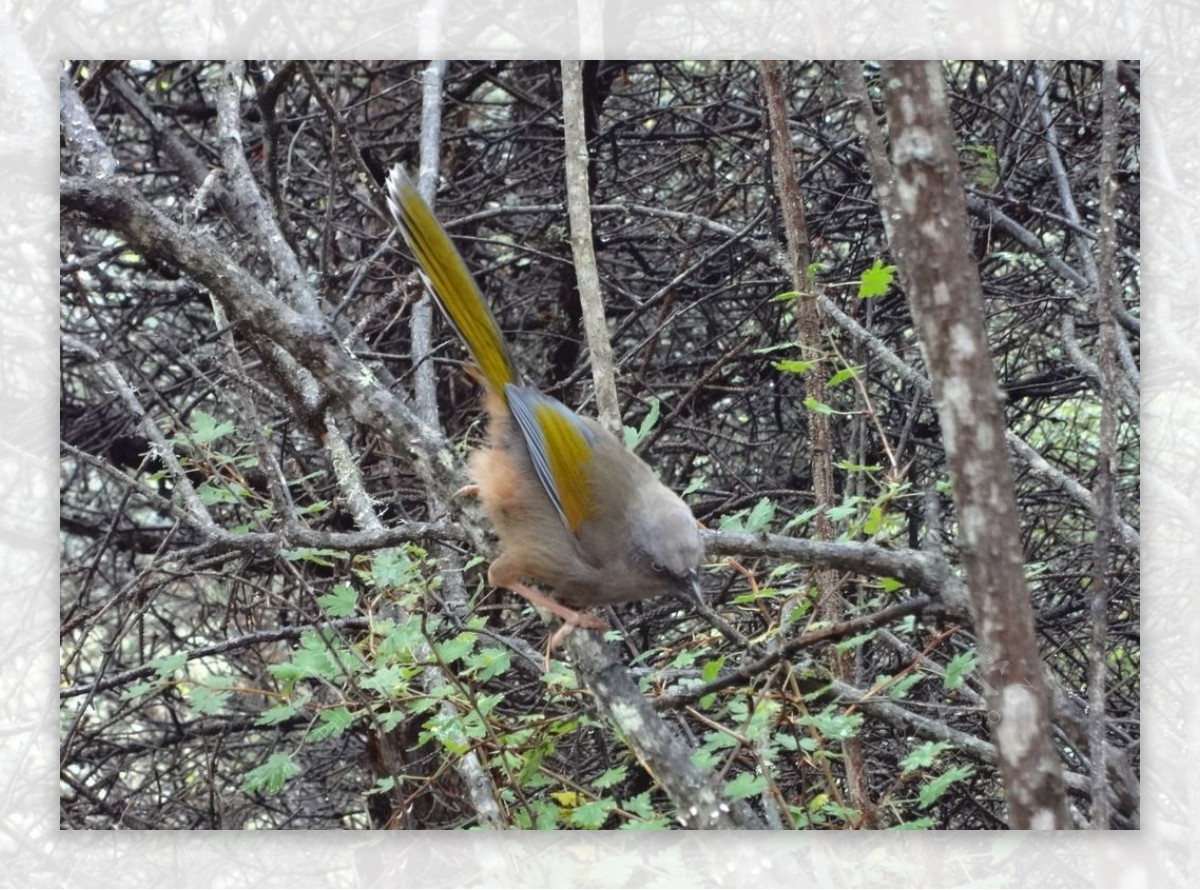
{"x":560,"y":447}
{"x":569,"y":455}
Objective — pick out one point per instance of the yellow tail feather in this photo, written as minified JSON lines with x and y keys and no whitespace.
{"x":450,"y":282}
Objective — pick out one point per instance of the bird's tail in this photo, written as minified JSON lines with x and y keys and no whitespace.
{"x":448,"y":279}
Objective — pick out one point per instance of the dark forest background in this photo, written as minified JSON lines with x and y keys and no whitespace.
{"x":272,"y":616}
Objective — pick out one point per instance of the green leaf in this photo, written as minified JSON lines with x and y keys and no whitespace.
{"x":452,"y":731}
{"x":785,"y":740}
{"x":276,"y":715}
{"x":205,"y":701}
{"x":651,"y":417}
{"x":560,"y":677}
{"x":874,"y":522}
{"x":310,"y":660}
{"x":340,"y":602}
{"x":833,"y":724}
{"x":592,"y":814}
{"x":890,"y":585}
{"x":485,"y":704}
{"x":288,"y":673}
{"x":490,"y":662}
{"x":138,"y":689}
{"x":640,"y":806}
{"x":875,"y":281}
{"x":210,"y":494}
{"x":285,"y":710}
{"x":752,"y":595}
{"x":843,"y":375}
{"x":846,"y":509}
{"x":272,"y":775}
{"x":778,"y":347}
{"x":983,"y":167}
{"x":852,"y":643}
{"x":734,"y":522}
{"x":745,"y":785}
{"x":610,"y":777}
{"x":901,"y":688}
{"x":389,"y":720}
{"x":167,"y":665}
{"x":394,"y":568}
{"x":386,"y":679}
{"x":793,"y":366}
{"x":695,"y":485}
{"x":922,"y":756}
{"x":958,"y":667}
{"x":633,"y":437}
{"x":839,"y":811}
{"x":398,"y":641}
{"x":533,"y":763}
{"x":331,"y":724}
{"x":712,"y":669}
{"x":765,"y":712}
{"x":458,"y":647}
{"x":545,"y":815}
{"x":819,"y":407}
{"x":656,"y":823}
{"x":801,"y":519}
{"x":205,"y":428}
{"x":705,"y":760}
{"x":785,"y":296}
{"x":761,"y":516}
{"x":685,"y":658}
{"x":383,"y":786}
{"x":933,"y":790}
{"x":923,"y":824}
{"x":756,"y":520}
{"x":316,"y":555}
{"x":719,"y":741}
{"x":852,"y":467}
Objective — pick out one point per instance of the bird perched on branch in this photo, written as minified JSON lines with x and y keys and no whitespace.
{"x":575,"y":511}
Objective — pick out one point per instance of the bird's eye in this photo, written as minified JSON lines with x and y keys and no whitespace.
{"x":658,"y":568}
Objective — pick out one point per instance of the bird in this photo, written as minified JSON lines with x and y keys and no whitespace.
{"x":575,"y":511}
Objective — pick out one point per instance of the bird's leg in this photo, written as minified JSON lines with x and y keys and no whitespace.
{"x":571,"y":617}
{"x":504,"y":574}
{"x":469,"y":490}
{"x":558,"y":638}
